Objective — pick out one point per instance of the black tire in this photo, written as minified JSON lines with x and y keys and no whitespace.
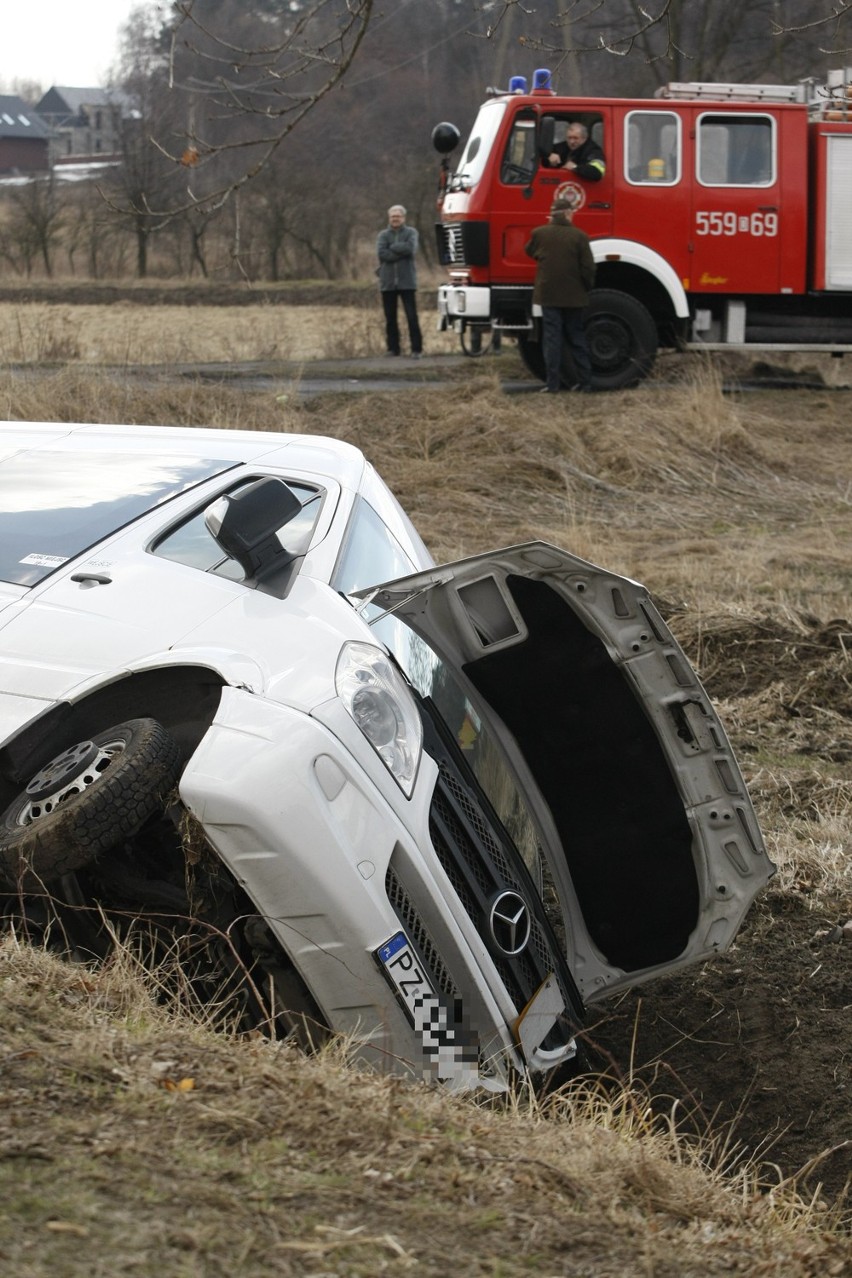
{"x":532,"y":354}
{"x":622,"y":339}
{"x":85,"y":801}
{"x":529,"y":349}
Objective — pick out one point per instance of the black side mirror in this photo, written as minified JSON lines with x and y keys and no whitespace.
{"x":245,"y":525}
{"x":445,"y":137}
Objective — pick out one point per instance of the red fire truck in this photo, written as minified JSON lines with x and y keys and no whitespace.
{"x":722,"y":221}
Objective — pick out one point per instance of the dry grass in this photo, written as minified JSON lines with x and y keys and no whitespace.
{"x":128,"y":333}
{"x":735,"y":510}
{"x":137,"y":1142}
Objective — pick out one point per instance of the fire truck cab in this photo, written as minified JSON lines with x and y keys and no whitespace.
{"x":721,"y":221}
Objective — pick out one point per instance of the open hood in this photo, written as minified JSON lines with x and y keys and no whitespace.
{"x":649,"y":847}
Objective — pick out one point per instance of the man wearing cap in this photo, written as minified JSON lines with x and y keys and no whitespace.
{"x":564,"y":275}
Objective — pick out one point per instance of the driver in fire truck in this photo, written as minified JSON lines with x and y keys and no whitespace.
{"x":579,"y":154}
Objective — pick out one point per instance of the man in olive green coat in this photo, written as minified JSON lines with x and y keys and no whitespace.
{"x":563,"y":278}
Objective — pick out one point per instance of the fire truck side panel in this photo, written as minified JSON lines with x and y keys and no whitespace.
{"x":750,"y":196}
{"x":832,"y":223}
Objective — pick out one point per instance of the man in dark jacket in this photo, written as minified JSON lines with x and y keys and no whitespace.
{"x":579,"y":154}
{"x":396,"y":248}
{"x":563,"y":278}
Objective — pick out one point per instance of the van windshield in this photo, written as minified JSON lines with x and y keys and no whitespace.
{"x":56,"y":504}
{"x":479,"y":146}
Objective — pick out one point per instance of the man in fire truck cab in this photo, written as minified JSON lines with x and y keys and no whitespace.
{"x":579,"y":154}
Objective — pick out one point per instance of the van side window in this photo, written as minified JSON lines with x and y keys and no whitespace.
{"x":190,"y":542}
{"x":736,"y":150}
{"x":652,"y":148}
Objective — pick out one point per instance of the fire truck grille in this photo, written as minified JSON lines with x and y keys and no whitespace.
{"x":453,"y":254}
{"x":463,"y":243}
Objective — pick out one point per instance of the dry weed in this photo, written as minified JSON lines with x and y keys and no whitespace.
{"x":144,"y":1138}
{"x":736,"y":512}
{"x":130,"y":333}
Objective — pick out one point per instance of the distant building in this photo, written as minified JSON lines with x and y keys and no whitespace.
{"x":24,"y":139}
{"x":85,"y":124}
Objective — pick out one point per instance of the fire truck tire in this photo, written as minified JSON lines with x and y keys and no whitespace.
{"x":622,"y":339}
{"x":529,"y":349}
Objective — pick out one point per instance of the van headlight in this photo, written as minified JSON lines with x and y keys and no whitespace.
{"x":379,"y":700}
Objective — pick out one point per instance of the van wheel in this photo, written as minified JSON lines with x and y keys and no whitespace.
{"x":85,"y":801}
{"x":622,"y":339}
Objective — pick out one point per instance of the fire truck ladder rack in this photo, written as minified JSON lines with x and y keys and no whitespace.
{"x":831,"y":100}
{"x":731,"y":92}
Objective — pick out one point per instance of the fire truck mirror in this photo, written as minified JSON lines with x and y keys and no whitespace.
{"x":445,"y":137}
{"x":545,"y":135}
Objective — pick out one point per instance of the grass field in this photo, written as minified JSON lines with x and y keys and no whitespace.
{"x":134,"y":1139}
{"x":129,"y":333}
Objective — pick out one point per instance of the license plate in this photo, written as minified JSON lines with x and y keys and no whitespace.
{"x":405,"y":973}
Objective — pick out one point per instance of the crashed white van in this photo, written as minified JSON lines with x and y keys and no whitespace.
{"x":439,"y":809}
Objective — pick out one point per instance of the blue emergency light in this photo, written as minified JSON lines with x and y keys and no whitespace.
{"x":541,"y":78}
{"x":518,"y":84}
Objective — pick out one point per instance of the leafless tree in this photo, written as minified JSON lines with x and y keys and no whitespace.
{"x":667,"y":39}
{"x":232,"y":83}
{"x":829,"y":21}
{"x":33,"y":225}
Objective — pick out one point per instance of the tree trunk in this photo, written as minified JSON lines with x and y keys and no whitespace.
{"x":141,"y":252}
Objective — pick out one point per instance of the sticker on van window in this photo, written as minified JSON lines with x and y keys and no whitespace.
{"x":45,"y":561}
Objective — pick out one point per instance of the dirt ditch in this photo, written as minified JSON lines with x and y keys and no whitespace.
{"x":757,"y":1044}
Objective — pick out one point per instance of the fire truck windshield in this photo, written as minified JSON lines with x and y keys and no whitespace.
{"x":478,"y":146}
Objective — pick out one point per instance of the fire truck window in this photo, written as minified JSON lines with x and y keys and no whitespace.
{"x":593,"y":123}
{"x":652,"y":148}
{"x":519,"y":157}
{"x":736,"y":150}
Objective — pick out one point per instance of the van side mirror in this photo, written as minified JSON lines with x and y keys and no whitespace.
{"x":245,"y":525}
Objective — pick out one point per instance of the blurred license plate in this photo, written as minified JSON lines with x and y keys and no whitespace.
{"x":405,"y":973}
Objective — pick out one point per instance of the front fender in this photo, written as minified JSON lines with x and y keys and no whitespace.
{"x":630,"y":253}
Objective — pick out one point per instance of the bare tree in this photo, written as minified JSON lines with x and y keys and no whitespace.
{"x":668,"y":39}
{"x":829,"y":22}
{"x":232,"y":82}
{"x":34,"y":224}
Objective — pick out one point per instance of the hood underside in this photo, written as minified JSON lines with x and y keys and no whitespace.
{"x":652,"y":845}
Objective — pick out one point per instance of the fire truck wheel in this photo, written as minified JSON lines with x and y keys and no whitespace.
{"x":622,"y":339}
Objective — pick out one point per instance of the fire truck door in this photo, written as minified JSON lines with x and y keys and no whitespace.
{"x":593,"y":198}
{"x":526,"y":188}
{"x":735,"y":242}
